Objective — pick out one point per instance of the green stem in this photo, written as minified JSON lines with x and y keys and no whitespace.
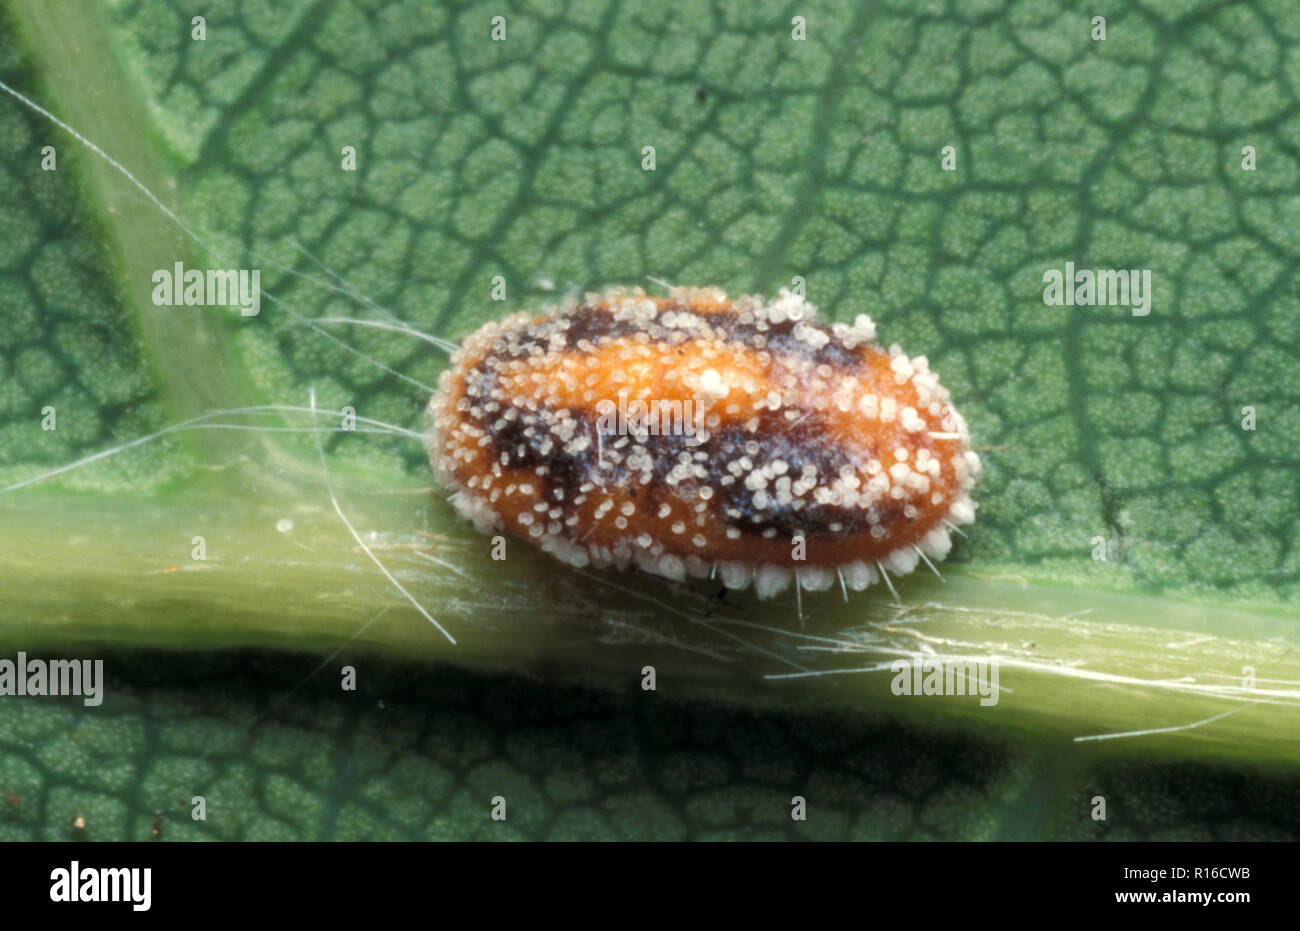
{"x":112,"y":571}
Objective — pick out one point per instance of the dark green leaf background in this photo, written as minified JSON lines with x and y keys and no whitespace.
{"x":522,"y":159}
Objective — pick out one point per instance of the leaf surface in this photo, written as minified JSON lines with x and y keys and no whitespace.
{"x":522,"y":159}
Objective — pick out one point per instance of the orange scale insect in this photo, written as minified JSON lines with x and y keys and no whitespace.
{"x":693,"y":435}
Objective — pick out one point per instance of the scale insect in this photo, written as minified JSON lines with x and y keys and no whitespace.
{"x":694,"y":436}
{"x":802,"y":451}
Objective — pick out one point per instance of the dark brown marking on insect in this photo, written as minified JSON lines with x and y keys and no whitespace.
{"x":799,"y":443}
{"x":781,"y":341}
{"x":597,"y":324}
{"x":530,"y":446}
{"x":523,"y":445}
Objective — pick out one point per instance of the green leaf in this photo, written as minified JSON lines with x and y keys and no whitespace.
{"x":522,"y":159}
